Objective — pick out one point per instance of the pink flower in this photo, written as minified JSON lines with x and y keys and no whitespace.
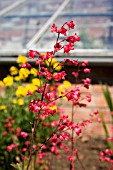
{"x":110,"y":139}
{"x":87,"y":70}
{"x":68,"y":47}
{"x":41,"y":154}
{"x":63,"y":31}
{"x":74,"y":94}
{"x":34,"y":146}
{"x":107,"y":159}
{"x":84,"y":63}
{"x":54,"y":28}
{"x":71,"y":158}
{"x":75,"y":151}
{"x":70,"y":24}
{"x":77,"y":129}
{"x":48,"y":75}
{"x":18,"y":129}
{"x":66,"y":149}
{"x":54,"y":123}
{"x":4,"y":133}
{"x":24,"y":134}
{"x":10,"y":147}
{"x":54,"y":149}
{"x":64,"y":118}
{"x":49,"y":96}
{"x":58,"y":76}
{"x":27,"y":143}
{"x":8,"y":125}
{"x":71,"y":62}
{"x":108,"y":151}
{"x":29,"y":92}
{"x":96,"y":112}
{"x":57,"y":47}
{"x":64,"y":136}
{"x":49,"y":55}
{"x":73,"y":38}
{"x":59,"y":157}
{"x":37,"y":62}
{"x":26,"y":65}
{"x":86,"y":81}
{"x":24,"y":149}
{"x":88,"y":97}
{"x":102,"y":153}
{"x":99,"y":120}
{"x":32,"y":53}
{"x":54,"y":139}
{"x":33,"y":106}
{"x":75,"y":74}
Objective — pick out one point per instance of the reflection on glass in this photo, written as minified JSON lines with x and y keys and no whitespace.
{"x":95,"y":31}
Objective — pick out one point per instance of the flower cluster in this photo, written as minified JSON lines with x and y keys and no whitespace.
{"x":44,"y":100}
{"x":49,"y":70}
{"x":106,"y":155}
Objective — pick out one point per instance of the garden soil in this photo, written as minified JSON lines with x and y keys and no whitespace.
{"x":88,"y":151}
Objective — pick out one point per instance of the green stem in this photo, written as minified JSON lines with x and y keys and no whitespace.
{"x":105,"y":130}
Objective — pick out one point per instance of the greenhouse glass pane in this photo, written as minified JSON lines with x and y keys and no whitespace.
{"x":6,"y":3}
{"x":37,"y":7}
{"x":93,"y":22}
{"x":16,"y":31}
{"x":93,"y":19}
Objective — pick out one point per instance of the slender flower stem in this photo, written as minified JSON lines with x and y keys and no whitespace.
{"x":80,"y":162}
{"x":37,"y":121}
{"x":35,"y":161}
{"x":72,"y":137}
{"x":23,"y":163}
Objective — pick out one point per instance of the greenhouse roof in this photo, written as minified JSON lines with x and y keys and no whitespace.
{"x":25,"y":24}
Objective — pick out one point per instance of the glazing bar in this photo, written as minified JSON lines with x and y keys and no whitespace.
{"x":11,"y":7}
{"x":45,"y":27}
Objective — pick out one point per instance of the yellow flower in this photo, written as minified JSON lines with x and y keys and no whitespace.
{"x":14,"y":101}
{"x":54,"y":107}
{"x":37,"y":82}
{"x":66,"y":84}
{"x":2,"y":107}
{"x":20,"y":102}
{"x":8,"y":81}
{"x":56,"y":66}
{"x":17,"y":78}
{"x":24,"y":73}
{"x":22,"y":59}
{"x":13,"y":70}
{"x":1,"y":83}
{"x":21,"y":91}
{"x":31,"y":87}
{"x":50,"y":60}
{"x":63,"y":87}
{"x":34,"y":71}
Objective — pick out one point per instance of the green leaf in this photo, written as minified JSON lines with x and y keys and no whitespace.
{"x":17,"y":166}
{"x":108,"y":97}
{"x":109,"y":143}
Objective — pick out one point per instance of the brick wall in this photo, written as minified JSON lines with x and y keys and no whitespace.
{"x":98,"y":103}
